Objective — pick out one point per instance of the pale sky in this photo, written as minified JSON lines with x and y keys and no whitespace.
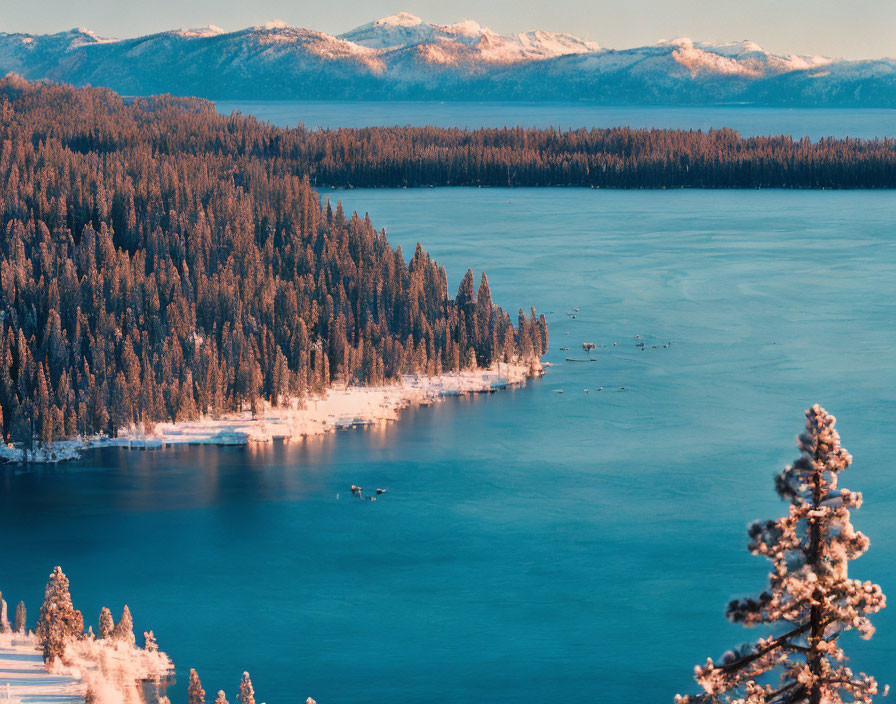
{"x":840,"y":28}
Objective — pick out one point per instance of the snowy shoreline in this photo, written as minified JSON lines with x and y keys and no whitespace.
{"x":25,"y":680}
{"x":340,"y":407}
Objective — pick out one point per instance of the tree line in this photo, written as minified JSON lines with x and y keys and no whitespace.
{"x":619,"y":157}
{"x":159,"y":261}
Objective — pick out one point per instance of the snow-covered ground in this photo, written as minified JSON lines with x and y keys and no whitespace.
{"x":23,"y":679}
{"x":340,"y":407}
{"x":113,"y":671}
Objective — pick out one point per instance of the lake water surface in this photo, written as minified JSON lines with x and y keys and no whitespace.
{"x":749,"y":121}
{"x":532,"y":546}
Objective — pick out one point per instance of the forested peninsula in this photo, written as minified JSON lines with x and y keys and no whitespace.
{"x":619,"y":157}
{"x":162,"y":263}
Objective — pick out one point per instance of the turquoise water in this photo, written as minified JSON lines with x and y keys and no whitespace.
{"x":749,"y":121}
{"x":532,"y":546}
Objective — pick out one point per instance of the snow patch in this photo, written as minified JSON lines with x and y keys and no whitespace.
{"x":209,"y":30}
{"x":273,"y":24}
{"x":744,"y":58}
{"x":113,"y":671}
{"x":732,"y":49}
{"x":402,"y":19}
{"x":465,"y":42}
{"x":25,"y":680}
{"x":677,"y":41}
{"x":319,"y":44}
{"x":699,"y":61}
{"x":468,"y":27}
{"x":83,"y":37}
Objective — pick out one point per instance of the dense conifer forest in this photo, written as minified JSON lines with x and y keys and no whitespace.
{"x":601,"y":158}
{"x":159,"y":261}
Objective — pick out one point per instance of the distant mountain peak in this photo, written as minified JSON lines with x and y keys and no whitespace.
{"x":676,"y":41}
{"x":739,"y":48}
{"x":402,"y":56}
{"x":82,"y":35}
{"x":464,"y":43}
{"x":468,"y":27}
{"x":273,"y":24}
{"x":402,"y":19}
{"x":209,"y":30}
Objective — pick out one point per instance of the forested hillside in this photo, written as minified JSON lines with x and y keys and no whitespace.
{"x":159,"y":261}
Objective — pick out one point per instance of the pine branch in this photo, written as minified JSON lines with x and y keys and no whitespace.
{"x":787,"y":694}
{"x":778,"y":642}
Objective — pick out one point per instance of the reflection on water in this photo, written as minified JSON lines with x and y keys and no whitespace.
{"x":193,"y":476}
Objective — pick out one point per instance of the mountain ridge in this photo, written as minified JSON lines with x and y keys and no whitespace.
{"x":403,"y":57}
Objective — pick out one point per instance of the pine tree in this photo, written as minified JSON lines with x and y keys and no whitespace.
{"x":4,"y":618}
{"x":149,"y":642}
{"x":484,"y":311}
{"x":21,"y":618}
{"x":58,"y":622}
{"x":247,"y":694}
{"x":122,"y":410}
{"x":106,"y":624}
{"x":124,"y":629}
{"x":195,"y":692}
{"x":809,"y":591}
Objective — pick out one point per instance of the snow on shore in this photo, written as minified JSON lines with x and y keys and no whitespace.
{"x":24,"y":680}
{"x":338,"y":408}
{"x":112,"y":671}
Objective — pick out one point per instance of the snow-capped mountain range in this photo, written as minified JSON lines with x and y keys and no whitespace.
{"x":403,"y":57}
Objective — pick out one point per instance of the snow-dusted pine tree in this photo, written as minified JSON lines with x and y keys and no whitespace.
{"x":58,"y":622}
{"x":4,"y":617}
{"x":809,"y":591}
{"x":221,"y":699}
{"x":149,"y":642}
{"x":195,"y":692}
{"x":107,"y":624}
{"x":124,"y":629}
{"x":21,"y":618}
{"x":247,"y":694}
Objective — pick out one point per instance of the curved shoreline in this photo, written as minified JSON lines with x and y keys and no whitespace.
{"x":339,"y":408}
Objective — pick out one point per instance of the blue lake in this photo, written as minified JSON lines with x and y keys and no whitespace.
{"x":749,"y":121}
{"x":533,"y":546}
